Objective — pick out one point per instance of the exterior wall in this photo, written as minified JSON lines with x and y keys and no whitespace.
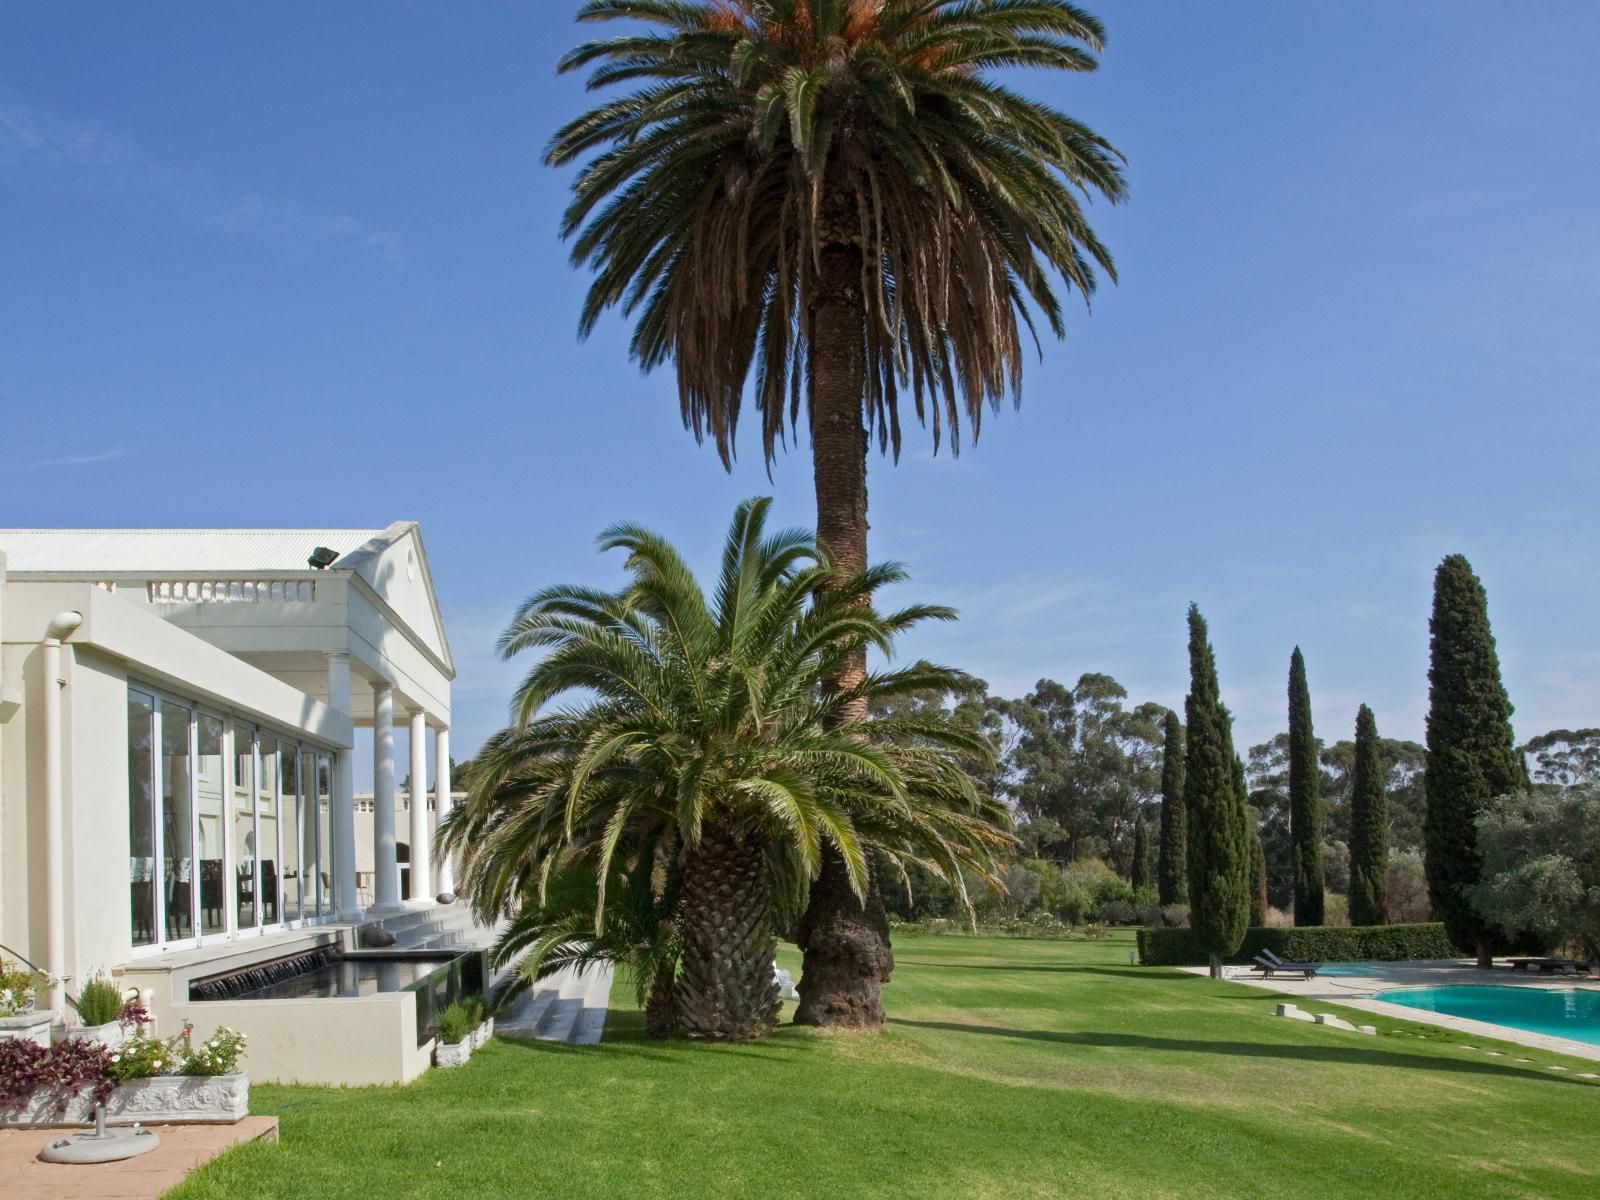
{"x":375,"y":642}
{"x":339,"y":1042}
{"x":95,"y":828}
{"x":117,"y":640}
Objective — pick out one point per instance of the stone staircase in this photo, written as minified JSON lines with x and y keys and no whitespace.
{"x":569,"y":1006}
{"x":447,"y":927}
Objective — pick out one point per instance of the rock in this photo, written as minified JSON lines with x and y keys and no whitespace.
{"x":1293,"y":1013}
{"x":1372,"y":1029}
{"x":375,"y":937}
{"x":445,"y":898}
{"x":1334,"y":1022}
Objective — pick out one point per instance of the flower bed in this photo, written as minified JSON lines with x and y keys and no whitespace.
{"x":145,"y":1080}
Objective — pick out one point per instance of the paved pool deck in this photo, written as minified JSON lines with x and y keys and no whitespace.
{"x":183,"y":1149}
{"x":1356,"y":991}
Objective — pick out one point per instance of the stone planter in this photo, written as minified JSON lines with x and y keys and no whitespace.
{"x":159,"y":1100}
{"x":33,"y":1025}
{"x":110,"y":1035}
{"x":453,"y":1054}
{"x":483,"y":1033}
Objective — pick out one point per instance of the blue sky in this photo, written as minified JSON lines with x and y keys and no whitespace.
{"x":297,"y":264}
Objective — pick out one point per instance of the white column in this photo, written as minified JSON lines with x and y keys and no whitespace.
{"x":441,"y":802}
{"x":347,"y":904}
{"x":386,"y":873}
{"x":421,"y":873}
{"x":55,"y":957}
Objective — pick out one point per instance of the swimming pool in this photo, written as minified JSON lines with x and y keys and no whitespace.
{"x":1554,"y":1012}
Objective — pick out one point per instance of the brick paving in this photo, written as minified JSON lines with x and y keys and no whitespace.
{"x":183,"y":1148}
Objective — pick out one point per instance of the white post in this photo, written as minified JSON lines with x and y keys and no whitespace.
{"x":55,"y":958}
{"x":386,"y":872}
{"x":421,"y":874}
{"x":441,"y":802}
{"x":346,"y":903}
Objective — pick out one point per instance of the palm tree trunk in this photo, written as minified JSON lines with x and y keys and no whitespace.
{"x":727,"y":990}
{"x":658,"y":1007}
{"x":846,"y":943}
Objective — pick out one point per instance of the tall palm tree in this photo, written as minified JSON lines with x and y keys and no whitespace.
{"x":839,"y":196}
{"x":703,"y":764}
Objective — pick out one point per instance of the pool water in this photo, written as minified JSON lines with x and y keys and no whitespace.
{"x":1554,"y":1012}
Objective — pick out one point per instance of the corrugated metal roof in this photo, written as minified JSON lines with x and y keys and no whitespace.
{"x":118,"y":551}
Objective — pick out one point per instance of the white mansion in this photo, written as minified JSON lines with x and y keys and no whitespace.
{"x":177,"y":731}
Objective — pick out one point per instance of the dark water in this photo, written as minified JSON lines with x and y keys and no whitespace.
{"x":322,"y":975}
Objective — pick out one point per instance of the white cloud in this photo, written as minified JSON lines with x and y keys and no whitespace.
{"x":93,"y":156}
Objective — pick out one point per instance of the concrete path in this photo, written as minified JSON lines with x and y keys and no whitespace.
{"x":183,"y":1148}
{"x":564,"y":1007}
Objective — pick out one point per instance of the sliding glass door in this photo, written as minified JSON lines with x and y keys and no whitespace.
{"x":221,"y":843}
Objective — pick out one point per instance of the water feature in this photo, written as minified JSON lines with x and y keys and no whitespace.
{"x":1555,"y":1012}
{"x":436,"y":978}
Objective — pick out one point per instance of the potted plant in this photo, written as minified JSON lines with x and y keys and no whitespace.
{"x":100,"y":1013}
{"x":454,"y":1041}
{"x":52,"y":1085}
{"x":20,"y":1016}
{"x":482,"y":1021}
{"x":178,"y":1080}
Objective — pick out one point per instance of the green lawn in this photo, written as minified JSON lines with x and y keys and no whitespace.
{"x":1013,"y":1069}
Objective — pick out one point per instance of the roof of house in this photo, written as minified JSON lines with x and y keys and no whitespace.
{"x":396,"y":573}
{"x":182,"y":551}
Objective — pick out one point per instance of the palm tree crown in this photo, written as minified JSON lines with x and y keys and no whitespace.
{"x":763,"y":133}
{"x":702,"y":748}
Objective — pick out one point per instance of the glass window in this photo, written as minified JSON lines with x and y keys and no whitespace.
{"x":268,"y":856}
{"x":141,"y":818}
{"x":292,"y":845}
{"x":212,"y":814}
{"x":325,"y":857}
{"x":244,"y":824}
{"x":177,"y":824}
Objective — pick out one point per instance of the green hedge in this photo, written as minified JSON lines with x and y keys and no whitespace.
{"x":1325,"y":943}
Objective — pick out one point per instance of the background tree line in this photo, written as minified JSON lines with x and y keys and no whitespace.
{"x":1081,"y":767}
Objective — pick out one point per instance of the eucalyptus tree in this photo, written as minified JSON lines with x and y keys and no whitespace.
{"x":836,"y":206}
{"x":684,"y":750}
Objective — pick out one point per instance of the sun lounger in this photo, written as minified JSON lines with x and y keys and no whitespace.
{"x":1270,"y":964}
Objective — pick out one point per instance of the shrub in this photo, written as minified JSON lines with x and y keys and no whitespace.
{"x":1336,"y":910}
{"x":134,"y":1014}
{"x":61,"y":1071}
{"x":19,"y":988}
{"x":477,"y":1010}
{"x":1278,"y":919}
{"x":1175,"y":916}
{"x":142,"y":1056}
{"x":99,"y":1002}
{"x":1318,"y":943}
{"x":455,"y":1023}
{"x":219,"y":1054}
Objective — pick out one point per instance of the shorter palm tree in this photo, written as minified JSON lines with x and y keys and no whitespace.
{"x":702,"y":763}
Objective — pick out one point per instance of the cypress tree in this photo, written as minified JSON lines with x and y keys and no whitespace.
{"x":1141,"y":855}
{"x":1258,"y":874}
{"x":1306,"y":821}
{"x":1472,"y":755}
{"x":1369,"y":828}
{"x":1219,"y":849}
{"x":1172,"y":867}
